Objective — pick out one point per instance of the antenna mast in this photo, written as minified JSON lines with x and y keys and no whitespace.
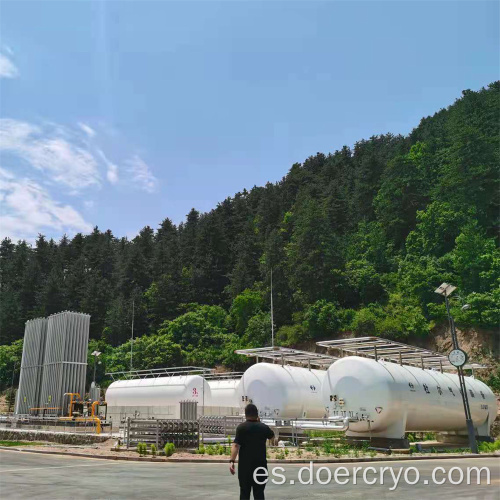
{"x":272,"y":315}
{"x":132,"y":339}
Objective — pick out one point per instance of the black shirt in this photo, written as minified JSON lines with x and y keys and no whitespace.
{"x":252,"y":437}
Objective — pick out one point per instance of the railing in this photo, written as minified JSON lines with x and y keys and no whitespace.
{"x":161,"y":372}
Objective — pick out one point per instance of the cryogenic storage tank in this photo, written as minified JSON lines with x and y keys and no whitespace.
{"x":282,"y":391}
{"x":391,"y":399}
{"x":223,"y":399}
{"x":158,"y":392}
{"x":223,"y":393}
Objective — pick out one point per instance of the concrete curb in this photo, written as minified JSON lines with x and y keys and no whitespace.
{"x":389,"y":458}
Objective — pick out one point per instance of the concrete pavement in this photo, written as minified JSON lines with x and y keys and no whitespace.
{"x":28,"y":475}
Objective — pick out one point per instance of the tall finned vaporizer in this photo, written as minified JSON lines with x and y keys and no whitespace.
{"x":65,"y":360}
{"x":30,"y":379}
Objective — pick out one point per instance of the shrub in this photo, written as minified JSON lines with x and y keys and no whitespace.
{"x":169,"y":449}
{"x":201,"y":450}
{"x":485,"y":447}
{"x":142,"y":449}
{"x":327,"y":447}
{"x":210,"y":450}
{"x":154,"y":450}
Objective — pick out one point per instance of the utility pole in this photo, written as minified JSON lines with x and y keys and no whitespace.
{"x":272,"y":311}
{"x":458,"y":360}
{"x":132,"y":339}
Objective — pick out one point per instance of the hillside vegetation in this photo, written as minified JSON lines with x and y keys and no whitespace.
{"x":357,"y":240}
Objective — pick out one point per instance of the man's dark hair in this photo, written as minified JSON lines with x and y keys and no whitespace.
{"x":251,"y":411}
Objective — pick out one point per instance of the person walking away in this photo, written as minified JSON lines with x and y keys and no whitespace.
{"x":250,"y":445}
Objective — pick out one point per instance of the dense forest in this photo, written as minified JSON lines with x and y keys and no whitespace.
{"x":357,"y":241}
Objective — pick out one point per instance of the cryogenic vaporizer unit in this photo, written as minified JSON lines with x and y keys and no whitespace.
{"x":54,"y":363}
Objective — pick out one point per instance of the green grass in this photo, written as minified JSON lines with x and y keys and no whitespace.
{"x":20,"y":443}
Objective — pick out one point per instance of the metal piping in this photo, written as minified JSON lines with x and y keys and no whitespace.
{"x":332,"y":424}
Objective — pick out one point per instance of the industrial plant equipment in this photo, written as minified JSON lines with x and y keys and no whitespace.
{"x":282,"y":391}
{"x":65,"y":359}
{"x":30,"y":379}
{"x":157,"y":396}
{"x":223,"y":398}
{"x":387,"y":399}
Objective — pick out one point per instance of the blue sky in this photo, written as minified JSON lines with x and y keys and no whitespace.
{"x":119,"y":114}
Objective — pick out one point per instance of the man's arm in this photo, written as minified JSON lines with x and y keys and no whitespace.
{"x":270,"y":433}
{"x":234,"y":453}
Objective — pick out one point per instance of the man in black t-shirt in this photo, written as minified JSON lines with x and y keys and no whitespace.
{"x":250,"y":443}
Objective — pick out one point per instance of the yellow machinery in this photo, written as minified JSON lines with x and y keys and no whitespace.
{"x":75,"y":411}
{"x":78,"y":410}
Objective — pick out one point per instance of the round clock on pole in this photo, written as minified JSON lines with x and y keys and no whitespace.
{"x":457,"y":357}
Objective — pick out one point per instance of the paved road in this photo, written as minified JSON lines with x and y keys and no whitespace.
{"x":30,"y":475}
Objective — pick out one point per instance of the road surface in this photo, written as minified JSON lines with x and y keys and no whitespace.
{"x":30,"y":475}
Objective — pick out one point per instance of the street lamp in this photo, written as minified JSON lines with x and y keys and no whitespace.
{"x":96,"y":354}
{"x":458,"y":358}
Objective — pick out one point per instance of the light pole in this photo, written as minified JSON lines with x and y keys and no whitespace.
{"x":96,"y":354}
{"x":458,"y":358}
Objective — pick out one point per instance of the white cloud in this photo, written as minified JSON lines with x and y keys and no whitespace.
{"x":89,"y":204}
{"x":87,"y":129}
{"x":27,"y":209}
{"x":112,"y":169}
{"x":112,"y":173}
{"x":142,"y":175}
{"x":7,"y":67}
{"x":50,"y":150}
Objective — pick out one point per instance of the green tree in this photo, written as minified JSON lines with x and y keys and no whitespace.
{"x":244,"y":306}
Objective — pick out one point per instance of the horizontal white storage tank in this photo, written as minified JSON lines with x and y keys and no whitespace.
{"x":286,"y":391}
{"x":223,"y":393}
{"x":156,"y":395}
{"x":392,"y":399}
{"x":223,"y":399}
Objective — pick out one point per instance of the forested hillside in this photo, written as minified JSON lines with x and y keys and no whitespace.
{"x":357,"y":241}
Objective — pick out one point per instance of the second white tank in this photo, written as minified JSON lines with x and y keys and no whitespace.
{"x":223,"y":398}
{"x":287,"y":392}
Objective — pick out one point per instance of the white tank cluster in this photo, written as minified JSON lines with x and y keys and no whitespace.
{"x":381,"y":399}
{"x":389,"y":399}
